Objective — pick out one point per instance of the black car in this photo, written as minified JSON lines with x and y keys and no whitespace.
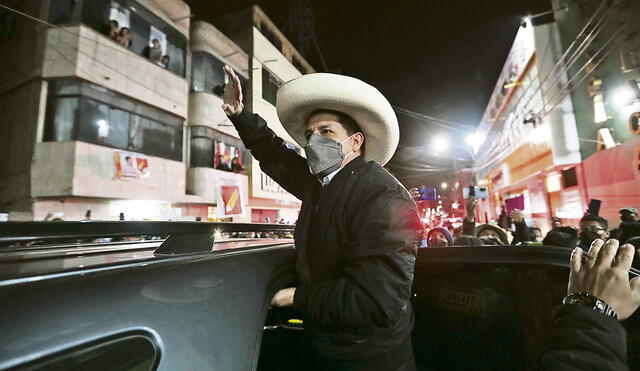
{"x":188,"y":303}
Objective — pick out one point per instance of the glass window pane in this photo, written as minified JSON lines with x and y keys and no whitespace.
{"x":198,"y":76}
{"x":63,"y":119}
{"x":155,"y":139}
{"x":100,"y":124}
{"x":201,"y":152}
{"x":176,"y":57}
{"x":140,"y":32}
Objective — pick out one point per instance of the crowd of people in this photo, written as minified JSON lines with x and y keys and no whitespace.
{"x":123,"y":36}
{"x":592,"y":227}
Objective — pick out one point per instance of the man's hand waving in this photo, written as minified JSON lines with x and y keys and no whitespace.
{"x":232,"y":93}
{"x":604,"y":273}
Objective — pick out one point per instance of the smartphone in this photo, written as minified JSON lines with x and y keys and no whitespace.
{"x":472,"y":191}
{"x":594,"y":207}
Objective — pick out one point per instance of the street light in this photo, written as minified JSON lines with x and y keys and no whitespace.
{"x":444,"y":185}
{"x":440,"y":143}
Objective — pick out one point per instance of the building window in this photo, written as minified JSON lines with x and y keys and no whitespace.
{"x":80,"y":111}
{"x":143,"y":25}
{"x":270,"y":85}
{"x":207,"y":75}
{"x":215,"y":150}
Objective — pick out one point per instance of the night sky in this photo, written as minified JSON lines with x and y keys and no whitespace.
{"x":436,"y":57}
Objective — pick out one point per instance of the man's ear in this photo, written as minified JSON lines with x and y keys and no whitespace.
{"x":358,"y":141}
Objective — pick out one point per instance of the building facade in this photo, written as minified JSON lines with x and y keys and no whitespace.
{"x":124,"y":121}
{"x":544,"y":144}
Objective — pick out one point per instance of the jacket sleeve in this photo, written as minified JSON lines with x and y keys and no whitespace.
{"x":468,"y":227}
{"x":522,"y":233}
{"x":282,"y":164}
{"x":582,"y":339}
{"x":376,"y":286}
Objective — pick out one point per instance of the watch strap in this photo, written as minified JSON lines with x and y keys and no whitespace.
{"x":588,"y":300}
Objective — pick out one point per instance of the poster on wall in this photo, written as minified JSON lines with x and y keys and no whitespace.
{"x":229,"y":198}
{"x":130,"y":165}
{"x":227,"y":158}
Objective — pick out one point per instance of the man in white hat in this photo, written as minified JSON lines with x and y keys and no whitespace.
{"x":357,"y":232}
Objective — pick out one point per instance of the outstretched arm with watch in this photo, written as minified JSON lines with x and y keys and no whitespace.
{"x":586,"y":333}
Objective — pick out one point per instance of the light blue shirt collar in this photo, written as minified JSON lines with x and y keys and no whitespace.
{"x":327,"y":179}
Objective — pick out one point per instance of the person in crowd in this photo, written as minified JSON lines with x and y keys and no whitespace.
{"x":467,"y":240}
{"x":586,"y":333}
{"x":153,"y":52}
{"x":535,"y":234}
{"x":592,"y":227}
{"x":629,"y":230}
{"x":522,"y":234}
{"x":124,"y":37}
{"x":357,"y":234}
{"x":562,"y":237}
{"x":222,"y":163}
{"x":504,"y":221}
{"x":113,"y":29}
{"x":489,"y":230}
{"x":627,"y":215}
{"x":556,"y":222}
{"x":235,"y":166}
{"x":164,"y":61}
{"x":439,"y":237}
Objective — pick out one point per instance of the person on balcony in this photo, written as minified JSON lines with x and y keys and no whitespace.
{"x":357,"y":234}
{"x":154,"y":52}
{"x":124,"y":37}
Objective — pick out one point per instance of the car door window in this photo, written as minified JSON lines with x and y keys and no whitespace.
{"x":473,"y":316}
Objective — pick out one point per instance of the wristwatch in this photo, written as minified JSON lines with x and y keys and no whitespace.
{"x":588,"y":300}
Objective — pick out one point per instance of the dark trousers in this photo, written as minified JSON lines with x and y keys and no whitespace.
{"x":399,"y":358}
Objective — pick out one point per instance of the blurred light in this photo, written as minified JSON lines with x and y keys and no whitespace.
{"x":439,"y":144}
{"x":457,"y":185}
{"x":623,"y":96}
{"x":539,"y":135}
{"x":101,"y":123}
{"x":554,"y":182}
{"x":454,"y":205}
{"x":444,"y":185}
{"x":600,"y":113}
{"x":440,"y":202}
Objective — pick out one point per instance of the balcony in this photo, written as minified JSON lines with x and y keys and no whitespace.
{"x":205,"y":109}
{"x":87,"y":170}
{"x":81,"y":52}
{"x":202,"y":181}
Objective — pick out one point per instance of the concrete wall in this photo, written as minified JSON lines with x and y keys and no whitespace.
{"x":206,"y":110}
{"x":561,"y":120}
{"x":203,"y":182}
{"x":81,"y":52}
{"x":88,"y":170}
{"x":19,"y":119}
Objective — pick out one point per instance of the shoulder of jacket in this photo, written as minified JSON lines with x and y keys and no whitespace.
{"x":375,"y":178}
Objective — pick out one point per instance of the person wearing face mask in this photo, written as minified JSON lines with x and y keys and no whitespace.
{"x":628,"y":220}
{"x":358,"y":230}
{"x":592,"y":227}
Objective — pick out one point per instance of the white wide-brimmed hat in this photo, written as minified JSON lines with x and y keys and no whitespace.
{"x":300,"y":97}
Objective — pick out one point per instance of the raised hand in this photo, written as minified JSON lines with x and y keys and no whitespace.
{"x":470,"y":205}
{"x":604,"y":273}
{"x":232,"y":93}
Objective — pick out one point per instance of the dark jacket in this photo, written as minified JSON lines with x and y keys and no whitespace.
{"x":583,"y":339}
{"x":356,"y":242}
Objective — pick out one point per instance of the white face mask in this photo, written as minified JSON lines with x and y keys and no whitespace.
{"x":324,"y":155}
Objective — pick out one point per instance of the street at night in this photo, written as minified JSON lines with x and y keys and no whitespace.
{"x":319,"y":185}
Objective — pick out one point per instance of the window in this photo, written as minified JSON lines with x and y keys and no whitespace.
{"x":63,"y":117}
{"x":86,"y":112}
{"x":270,"y":85}
{"x":143,"y":24}
{"x":208,"y":73}
{"x":132,"y":353}
{"x":215,"y":150}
